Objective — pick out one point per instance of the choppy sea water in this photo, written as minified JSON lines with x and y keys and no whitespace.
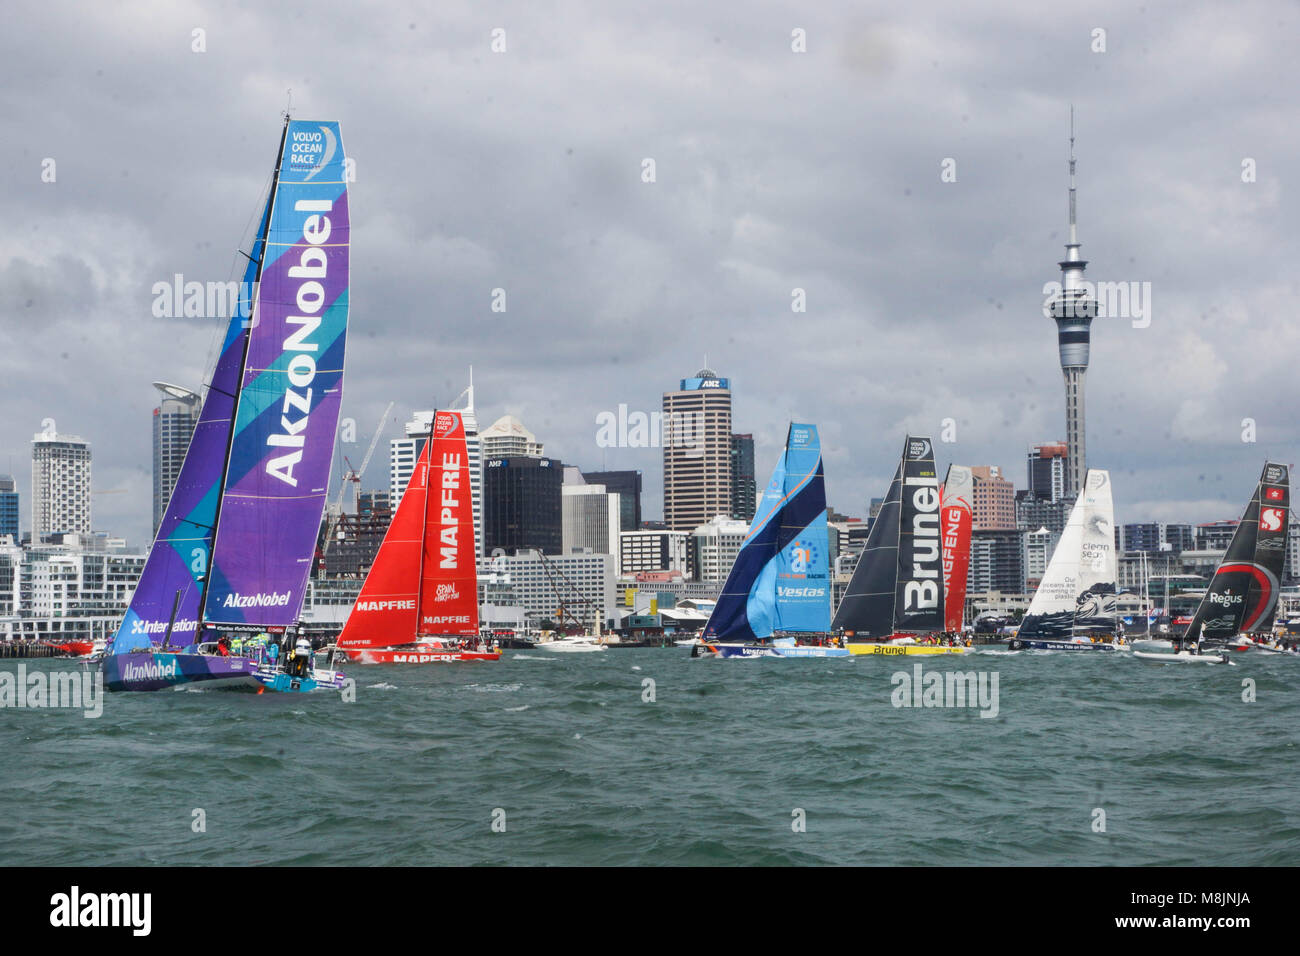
{"x":582,"y":769}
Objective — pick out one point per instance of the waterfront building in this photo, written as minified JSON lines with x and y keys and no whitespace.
{"x":590,"y":515}
{"x":714,"y":547}
{"x":744,"y":487}
{"x":697,"y":451}
{"x":9,"y":506}
{"x":625,"y":484}
{"x":522,"y":505}
{"x":994,"y":504}
{"x":648,"y":551}
{"x":60,"y":485}
{"x":173,"y":426}
{"x":1047,"y":472}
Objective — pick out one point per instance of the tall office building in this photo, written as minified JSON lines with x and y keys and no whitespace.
{"x":994,"y":504}
{"x":404,"y":452}
{"x":744,"y":489}
{"x":9,"y":506}
{"x":60,"y":484}
{"x":1046,"y":469}
{"x":522,"y":504}
{"x":997,"y":561}
{"x":1073,"y":311}
{"x":173,"y":425}
{"x":507,"y":437}
{"x":625,"y":484}
{"x":589,"y":518}
{"x":697,"y":451}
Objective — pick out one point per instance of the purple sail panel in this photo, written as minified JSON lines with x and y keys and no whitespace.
{"x":178,"y":561}
{"x":288,"y":410}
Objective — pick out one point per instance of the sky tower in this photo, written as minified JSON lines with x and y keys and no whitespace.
{"x":1073,"y":311}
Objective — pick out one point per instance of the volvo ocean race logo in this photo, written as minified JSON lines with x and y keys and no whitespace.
{"x":918,"y":448}
{"x":1274,"y":474}
{"x":313,"y":150}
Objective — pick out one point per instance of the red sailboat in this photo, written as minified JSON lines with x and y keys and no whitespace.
{"x":419,"y":603}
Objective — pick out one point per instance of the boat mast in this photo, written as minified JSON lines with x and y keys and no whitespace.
{"x":263,"y":236}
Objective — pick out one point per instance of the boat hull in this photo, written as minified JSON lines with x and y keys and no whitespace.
{"x":419,"y":654}
{"x":765,"y":650}
{"x":160,"y":670}
{"x":1036,"y":645}
{"x":903,"y":650}
{"x":1182,"y":657}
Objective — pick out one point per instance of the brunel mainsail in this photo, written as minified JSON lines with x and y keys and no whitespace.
{"x":234,"y":548}
{"x":1075,"y":606}
{"x":777,"y":592}
{"x":897,"y":590}
{"x":1243,"y":594}
{"x":419,"y":603}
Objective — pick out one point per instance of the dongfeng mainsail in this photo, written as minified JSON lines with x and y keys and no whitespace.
{"x":223,"y":585}
{"x":776,"y":599}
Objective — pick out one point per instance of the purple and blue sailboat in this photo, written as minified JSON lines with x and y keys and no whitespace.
{"x":235,"y":546}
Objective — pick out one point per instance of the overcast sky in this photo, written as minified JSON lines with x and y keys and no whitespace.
{"x":774,"y":170}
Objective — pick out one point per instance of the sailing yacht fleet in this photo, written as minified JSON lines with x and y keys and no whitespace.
{"x":221,"y":594}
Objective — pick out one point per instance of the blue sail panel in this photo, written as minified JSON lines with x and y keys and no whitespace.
{"x":780,"y":577}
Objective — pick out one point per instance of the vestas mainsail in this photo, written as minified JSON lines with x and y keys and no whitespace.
{"x":1077,"y":594}
{"x":1242,"y":596}
{"x":897,"y":586}
{"x":275,"y":483}
{"x":780,"y":579}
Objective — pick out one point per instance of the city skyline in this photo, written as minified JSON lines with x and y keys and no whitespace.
{"x":923,"y":296}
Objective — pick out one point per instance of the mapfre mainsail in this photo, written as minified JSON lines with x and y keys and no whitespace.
{"x":1077,"y":595}
{"x":424,"y":579}
{"x":286,"y":416}
{"x":1242,"y":596}
{"x":958,"y":493}
{"x":779,"y":582}
{"x":897,"y":586}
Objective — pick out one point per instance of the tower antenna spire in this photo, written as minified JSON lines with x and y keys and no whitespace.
{"x":1074,"y":231}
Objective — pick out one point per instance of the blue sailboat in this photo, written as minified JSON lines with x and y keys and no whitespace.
{"x":776,"y":600}
{"x":226,"y":576}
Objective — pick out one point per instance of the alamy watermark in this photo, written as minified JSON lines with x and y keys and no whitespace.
{"x":624,"y":429}
{"x":51,"y":690}
{"x":1113,"y":300}
{"x":951,"y":689}
{"x":201,"y":300}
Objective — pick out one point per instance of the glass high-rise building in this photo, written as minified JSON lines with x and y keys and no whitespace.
{"x":522,"y":504}
{"x":697,"y":451}
{"x":744,"y":488}
{"x":9,"y":506}
{"x":173,"y":425}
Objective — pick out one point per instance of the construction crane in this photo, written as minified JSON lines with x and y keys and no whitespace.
{"x":351,"y":475}
{"x":563,"y":611}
